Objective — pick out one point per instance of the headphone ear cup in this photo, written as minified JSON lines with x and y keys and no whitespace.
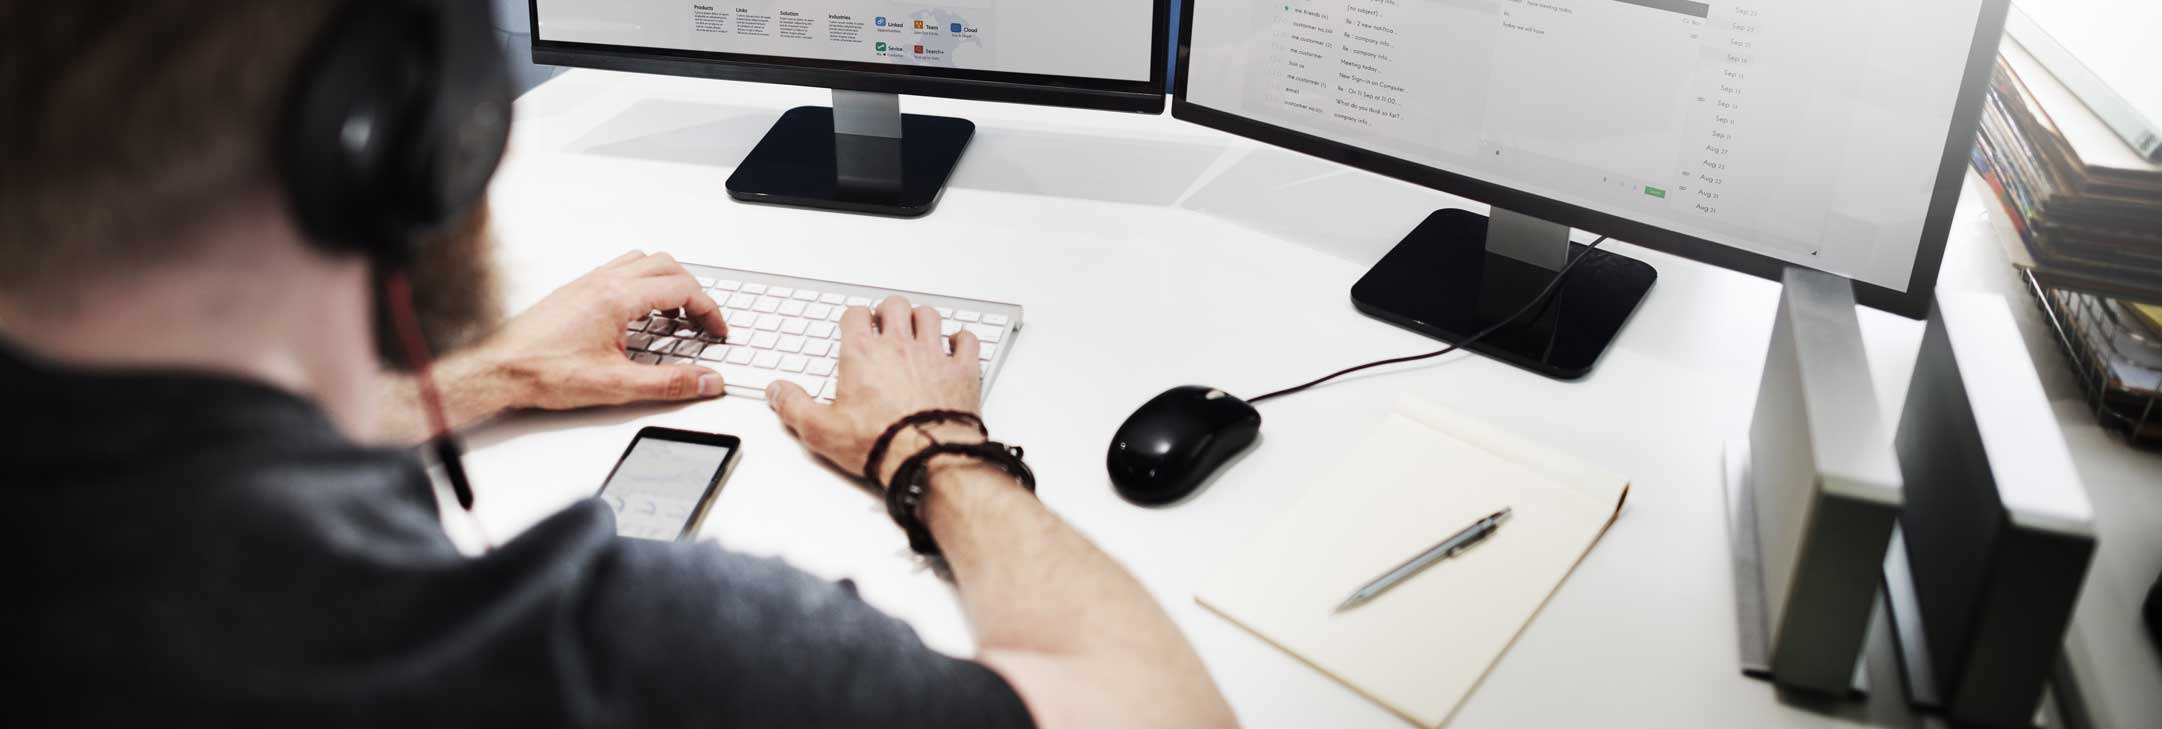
{"x":343,"y":147}
{"x":397,"y":123}
{"x":469,"y":121}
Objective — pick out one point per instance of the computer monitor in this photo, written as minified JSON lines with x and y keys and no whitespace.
{"x":1749,"y":134}
{"x":862,"y":154}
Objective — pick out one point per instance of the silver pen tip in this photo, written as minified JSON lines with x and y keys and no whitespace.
{"x":1352,"y":602}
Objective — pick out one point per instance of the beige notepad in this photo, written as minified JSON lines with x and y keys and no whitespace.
{"x":1421,"y":648}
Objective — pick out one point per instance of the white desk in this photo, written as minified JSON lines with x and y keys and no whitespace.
{"x":1151,"y":253}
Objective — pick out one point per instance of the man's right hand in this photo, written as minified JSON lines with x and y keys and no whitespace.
{"x":893,"y":364}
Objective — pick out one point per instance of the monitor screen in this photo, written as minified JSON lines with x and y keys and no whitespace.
{"x":1105,"y":39}
{"x":1807,"y":131}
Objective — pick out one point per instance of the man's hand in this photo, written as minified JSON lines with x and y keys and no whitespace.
{"x":893,"y":364}
{"x":567,"y":352}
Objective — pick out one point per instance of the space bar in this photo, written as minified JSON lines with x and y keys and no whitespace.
{"x":753,"y":381}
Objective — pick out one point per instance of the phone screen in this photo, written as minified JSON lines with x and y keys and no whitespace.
{"x":658,"y":489}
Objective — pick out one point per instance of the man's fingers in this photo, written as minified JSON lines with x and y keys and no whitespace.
{"x":926,"y":319}
{"x":856,"y":320}
{"x":895,"y":319}
{"x":674,"y":292}
{"x":798,"y":410}
{"x":966,"y":347}
{"x":668,"y":383}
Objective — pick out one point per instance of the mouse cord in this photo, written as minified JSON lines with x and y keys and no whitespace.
{"x":1537,"y":302}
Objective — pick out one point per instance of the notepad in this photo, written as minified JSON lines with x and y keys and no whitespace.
{"x":1424,"y":473}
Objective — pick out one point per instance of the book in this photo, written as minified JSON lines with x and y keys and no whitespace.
{"x":1421,"y":648}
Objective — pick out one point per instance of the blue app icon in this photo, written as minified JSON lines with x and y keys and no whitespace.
{"x":956,"y":27}
{"x":880,"y":22}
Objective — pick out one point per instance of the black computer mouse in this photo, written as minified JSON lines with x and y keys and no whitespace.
{"x":1170,"y":446}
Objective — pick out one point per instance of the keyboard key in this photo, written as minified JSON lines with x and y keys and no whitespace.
{"x":688,"y":333}
{"x":637,"y":342}
{"x":751,"y":377}
{"x":742,"y":319}
{"x":826,"y":393}
{"x":766,"y":360}
{"x":740,"y":336}
{"x":859,"y":301}
{"x":795,"y":326}
{"x":949,"y":328}
{"x":661,"y":345}
{"x":817,"y":311}
{"x":984,"y":369}
{"x":836,"y":315}
{"x":741,"y":301}
{"x":824,"y":329}
{"x":945,"y":312}
{"x":806,"y":295}
{"x":832,"y":299}
{"x":740,"y":356}
{"x":968,"y":316}
{"x":770,"y":322}
{"x":794,"y":362}
{"x":754,"y":288}
{"x":790,"y":344}
{"x":807,"y":382}
{"x":818,"y":347}
{"x":705,"y":283}
{"x":996,"y":320}
{"x":780,"y":292}
{"x":792,"y":308}
{"x":987,"y":333}
{"x":766,"y":305}
{"x":715,"y":352}
{"x":989,"y":351}
{"x":727,"y":285}
{"x":821,"y":367}
{"x":689,"y":348}
{"x":646,"y":358}
{"x":765,"y":340}
{"x":674,"y":360}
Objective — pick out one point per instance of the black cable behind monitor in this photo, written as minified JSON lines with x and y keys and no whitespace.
{"x":1536,"y":303}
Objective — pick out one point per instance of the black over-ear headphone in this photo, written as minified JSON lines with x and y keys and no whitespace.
{"x":395,"y":122}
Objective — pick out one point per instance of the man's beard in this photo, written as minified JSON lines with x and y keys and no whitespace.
{"x":454,"y":293}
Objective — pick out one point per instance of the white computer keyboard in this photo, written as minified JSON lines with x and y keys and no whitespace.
{"x":787,"y":328}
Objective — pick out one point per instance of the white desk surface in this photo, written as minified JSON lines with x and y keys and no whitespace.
{"x":1151,"y":253}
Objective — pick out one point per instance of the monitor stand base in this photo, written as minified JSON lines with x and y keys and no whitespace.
{"x":862,"y":155}
{"x":1457,"y":275}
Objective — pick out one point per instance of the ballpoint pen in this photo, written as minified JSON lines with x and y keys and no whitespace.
{"x":1456,"y":543}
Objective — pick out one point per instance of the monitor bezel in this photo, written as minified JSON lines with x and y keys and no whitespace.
{"x":1146,"y":97}
{"x":1913,"y":303}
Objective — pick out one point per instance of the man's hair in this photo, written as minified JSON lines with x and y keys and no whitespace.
{"x":125,"y":122}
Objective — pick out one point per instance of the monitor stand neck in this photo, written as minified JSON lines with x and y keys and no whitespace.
{"x":1536,"y":241}
{"x":861,"y":155}
{"x":867,"y":133}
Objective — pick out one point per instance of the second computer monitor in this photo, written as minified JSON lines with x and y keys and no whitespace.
{"x":868,"y":157}
{"x":1752,"y":134}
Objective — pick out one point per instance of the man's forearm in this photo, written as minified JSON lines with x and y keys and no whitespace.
{"x":1043,"y":598}
{"x":472,"y":387}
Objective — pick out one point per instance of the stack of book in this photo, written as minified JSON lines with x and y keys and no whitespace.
{"x":2088,"y":210}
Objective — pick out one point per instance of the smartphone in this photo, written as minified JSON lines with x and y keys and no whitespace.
{"x":667,"y":478}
